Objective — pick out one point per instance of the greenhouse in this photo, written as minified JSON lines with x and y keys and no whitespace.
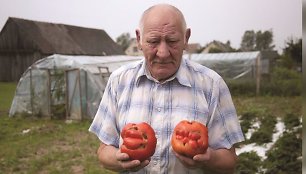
{"x":243,"y":66}
{"x":71,"y":87}
{"x":230,"y":65}
{"x":65,"y":87}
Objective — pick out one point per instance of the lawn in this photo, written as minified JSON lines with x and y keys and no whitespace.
{"x":31,"y":145}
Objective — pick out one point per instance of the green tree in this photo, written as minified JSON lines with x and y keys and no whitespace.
{"x":259,"y":40}
{"x":264,"y":40}
{"x":124,"y":40}
{"x":293,"y":50}
{"x":248,"y":41}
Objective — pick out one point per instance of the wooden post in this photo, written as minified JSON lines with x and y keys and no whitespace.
{"x":80,"y":93}
{"x":86,"y":95}
{"x":67,"y":95}
{"x":258,"y":73}
{"x":49,"y":94}
{"x":31,"y":92}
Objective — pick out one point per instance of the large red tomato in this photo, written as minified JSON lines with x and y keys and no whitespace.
{"x":139,"y":141}
{"x":190,"y":138}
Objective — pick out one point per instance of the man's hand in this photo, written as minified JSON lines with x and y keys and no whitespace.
{"x":215,"y":161}
{"x":130,"y":165}
{"x":198,"y":161}
{"x":111,"y":158}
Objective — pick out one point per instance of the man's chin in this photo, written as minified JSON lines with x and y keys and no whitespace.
{"x":162,"y":76}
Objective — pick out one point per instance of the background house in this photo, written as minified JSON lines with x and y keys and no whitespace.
{"x":23,"y":42}
{"x":132,"y":49}
{"x":193,"y":48}
{"x":217,"y":47}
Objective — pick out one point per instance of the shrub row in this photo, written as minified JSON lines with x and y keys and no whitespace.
{"x":281,"y":82}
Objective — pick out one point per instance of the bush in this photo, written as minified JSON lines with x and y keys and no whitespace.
{"x":248,"y":163}
{"x":291,"y":121}
{"x":265,"y":132}
{"x":284,"y":156}
{"x":283,"y":82}
{"x":247,"y":120}
{"x":242,"y":87}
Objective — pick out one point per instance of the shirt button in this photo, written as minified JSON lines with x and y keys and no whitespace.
{"x":158,"y":109}
{"x":155,"y":162}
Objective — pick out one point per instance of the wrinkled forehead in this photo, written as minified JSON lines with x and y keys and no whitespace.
{"x":162,"y":24}
{"x":161,"y":15}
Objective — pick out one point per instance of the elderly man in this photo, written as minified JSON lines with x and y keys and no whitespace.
{"x":163,"y":89}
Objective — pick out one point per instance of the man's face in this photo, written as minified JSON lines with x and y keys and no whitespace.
{"x":162,"y":42}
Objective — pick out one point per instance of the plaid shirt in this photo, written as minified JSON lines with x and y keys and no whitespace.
{"x":193,"y":93}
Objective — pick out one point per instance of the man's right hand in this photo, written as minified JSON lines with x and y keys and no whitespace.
{"x":130,"y":165}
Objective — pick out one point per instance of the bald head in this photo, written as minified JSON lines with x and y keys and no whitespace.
{"x":165,"y":10}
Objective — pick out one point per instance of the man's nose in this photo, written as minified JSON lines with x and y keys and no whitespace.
{"x":163,"y":50}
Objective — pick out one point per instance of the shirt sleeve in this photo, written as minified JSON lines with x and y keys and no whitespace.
{"x":224,"y":128}
{"x":104,"y":123}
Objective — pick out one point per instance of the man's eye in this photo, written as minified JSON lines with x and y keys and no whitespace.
{"x":172,"y":41}
{"x":152,"y":41}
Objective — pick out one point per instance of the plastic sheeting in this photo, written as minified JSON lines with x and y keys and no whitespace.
{"x":230,"y":65}
{"x":68,"y":87}
{"x":71,"y":87}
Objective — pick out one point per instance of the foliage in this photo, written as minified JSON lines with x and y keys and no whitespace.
{"x":265,"y":132}
{"x":248,"y":41}
{"x":292,"y":55}
{"x":58,"y":92}
{"x":283,"y":82}
{"x":247,"y":119}
{"x":294,"y":50}
{"x":242,"y":87}
{"x":268,"y":105}
{"x":259,"y":40}
{"x":264,"y":40}
{"x":124,"y":40}
{"x":283,"y":157}
{"x":248,"y":163}
{"x":291,"y":121}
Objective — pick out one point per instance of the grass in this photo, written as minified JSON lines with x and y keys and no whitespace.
{"x":269,"y":105}
{"x":31,"y":145}
{"x":7,"y":91}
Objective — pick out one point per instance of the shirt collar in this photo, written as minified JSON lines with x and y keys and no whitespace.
{"x":182,"y":75}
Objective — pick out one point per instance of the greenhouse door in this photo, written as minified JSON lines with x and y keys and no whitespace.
{"x":57,"y":93}
{"x":73,"y":98}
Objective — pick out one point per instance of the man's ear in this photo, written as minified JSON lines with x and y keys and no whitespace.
{"x":138,"y":39}
{"x":187,"y":36}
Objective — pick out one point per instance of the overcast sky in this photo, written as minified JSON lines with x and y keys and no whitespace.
{"x":209,"y":20}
